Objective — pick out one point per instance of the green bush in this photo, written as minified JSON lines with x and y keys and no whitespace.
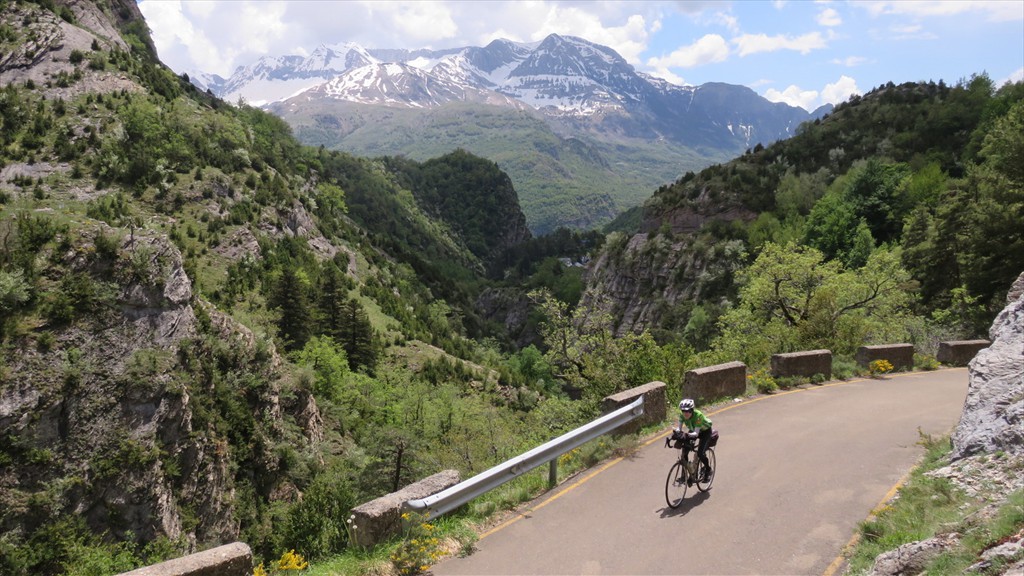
{"x":925,"y":362}
{"x":762,"y":381}
{"x":844,"y":368}
{"x":786,"y":382}
{"x":317,"y":526}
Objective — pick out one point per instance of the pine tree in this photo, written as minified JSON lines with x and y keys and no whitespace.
{"x":291,"y":298}
{"x":356,"y":336}
{"x":346,"y":321}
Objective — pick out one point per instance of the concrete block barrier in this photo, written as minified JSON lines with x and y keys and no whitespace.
{"x":378,"y":520}
{"x":901,"y":356}
{"x":654,"y":405}
{"x":806,"y":363}
{"x":229,"y":560}
{"x":960,"y":352}
{"x":720,"y":380}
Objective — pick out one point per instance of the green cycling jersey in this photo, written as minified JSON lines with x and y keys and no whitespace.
{"x":695,"y":421}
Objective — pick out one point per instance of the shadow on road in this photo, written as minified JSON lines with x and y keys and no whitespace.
{"x":687,"y":505}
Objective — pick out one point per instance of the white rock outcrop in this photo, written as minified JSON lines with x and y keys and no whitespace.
{"x":993,"y":415}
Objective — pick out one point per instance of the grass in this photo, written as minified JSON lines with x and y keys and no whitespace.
{"x":927,"y":506}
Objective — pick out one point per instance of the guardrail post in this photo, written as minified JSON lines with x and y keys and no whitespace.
{"x":553,"y":473}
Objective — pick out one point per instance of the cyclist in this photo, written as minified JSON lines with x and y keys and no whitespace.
{"x":695,"y":420}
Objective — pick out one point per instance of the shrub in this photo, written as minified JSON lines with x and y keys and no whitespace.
{"x":790,"y":381}
{"x":843,"y":368}
{"x":288,"y":561}
{"x":97,"y":61}
{"x":762,"y":381}
{"x":879,"y":367}
{"x":925,"y":362}
{"x":419,"y":549}
{"x":318,"y":524}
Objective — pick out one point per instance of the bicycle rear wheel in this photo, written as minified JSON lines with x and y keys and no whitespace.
{"x":675,"y":485}
{"x":705,"y":486}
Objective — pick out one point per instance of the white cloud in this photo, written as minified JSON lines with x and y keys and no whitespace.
{"x":423,"y":22}
{"x":794,"y":96}
{"x":850,"y":61}
{"x":839,"y":91}
{"x":264,"y":23}
{"x":628,"y":39}
{"x":754,"y":43}
{"x":1017,"y":76}
{"x":709,"y":49}
{"x":730,"y":22}
{"x":995,"y":10}
{"x":667,"y":74}
{"x":177,"y":39}
{"x":809,"y":100}
{"x":911,"y":32}
{"x":829,"y":17}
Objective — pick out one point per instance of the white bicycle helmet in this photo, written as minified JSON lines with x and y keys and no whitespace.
{"x":686,"y":404}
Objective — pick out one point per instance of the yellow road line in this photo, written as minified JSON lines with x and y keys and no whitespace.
{"x":520,"y":515}
{"x":838,"y":562}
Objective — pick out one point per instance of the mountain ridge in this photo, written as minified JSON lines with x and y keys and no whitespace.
{"x":642,"y":131}
{"x":560,"y":75}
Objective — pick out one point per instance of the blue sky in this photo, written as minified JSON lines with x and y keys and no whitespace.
{"x":805,"y":53}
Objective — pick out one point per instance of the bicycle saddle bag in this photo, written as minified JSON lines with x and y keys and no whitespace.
{"x":714,"y":438}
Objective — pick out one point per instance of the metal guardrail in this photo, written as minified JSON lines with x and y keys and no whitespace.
{"x":451,"y":498}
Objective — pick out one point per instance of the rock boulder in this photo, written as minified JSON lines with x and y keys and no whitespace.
{"x":993,"y":415}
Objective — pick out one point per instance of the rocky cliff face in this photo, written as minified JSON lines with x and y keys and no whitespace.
{"x":44,"y":51}
{"x":120,"y":417}
{"x":993,"y":417}
{"x":642,"y":281}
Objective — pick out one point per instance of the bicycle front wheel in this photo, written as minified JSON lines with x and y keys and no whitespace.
{"x":705,"y":486}
{"x":675,"y":485}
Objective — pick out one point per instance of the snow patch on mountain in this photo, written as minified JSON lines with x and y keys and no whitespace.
{"x":563,"y":77}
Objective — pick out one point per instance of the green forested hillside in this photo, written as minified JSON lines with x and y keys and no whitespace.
{"x":561,"y":182}
{"x":922,"y":170}
{"x":210,"y":332}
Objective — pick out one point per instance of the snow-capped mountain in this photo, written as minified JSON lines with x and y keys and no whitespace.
{"x":581,"y":133}
{"x":577,"y":84}
{"x":271,"y":79}
{"x":402,"y":85}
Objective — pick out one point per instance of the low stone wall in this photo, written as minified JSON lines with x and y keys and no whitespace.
{"x":901,"y":356}
{"x":720,"y":380}
{"x":379,"y":519}
{"x":806,"y":363}
{"x":228,"y":560}
{"x":654,"y":405}
{"x":960,"y":352}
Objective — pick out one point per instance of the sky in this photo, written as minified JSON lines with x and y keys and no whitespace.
{"x":802,"y":52}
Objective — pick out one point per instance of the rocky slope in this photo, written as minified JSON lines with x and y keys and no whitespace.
{"x":993,"y":418}
{"x":644,"y":279}
{"x":50,"y":39}
{"x":117,"y":426}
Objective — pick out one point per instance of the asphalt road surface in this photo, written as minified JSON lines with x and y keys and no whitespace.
{"x":797,"y":472}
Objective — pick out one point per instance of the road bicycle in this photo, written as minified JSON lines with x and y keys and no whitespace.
{"x":688,"y":472}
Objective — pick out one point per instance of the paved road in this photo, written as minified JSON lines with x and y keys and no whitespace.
{"x":797,"y":472}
